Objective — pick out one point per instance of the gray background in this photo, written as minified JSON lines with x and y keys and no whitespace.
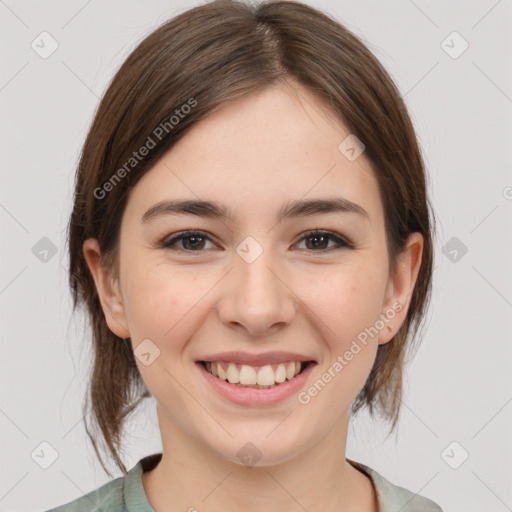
{"x":459,"y":385}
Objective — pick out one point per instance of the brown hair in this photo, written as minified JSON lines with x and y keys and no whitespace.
{"x":213,"y":54}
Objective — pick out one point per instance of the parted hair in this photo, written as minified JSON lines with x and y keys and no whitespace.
{"x":215,"y":53}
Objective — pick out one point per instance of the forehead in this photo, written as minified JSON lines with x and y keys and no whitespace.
{"x":278,"y":144}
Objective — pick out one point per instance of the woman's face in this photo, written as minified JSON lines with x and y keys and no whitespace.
{"x":253,"y":283}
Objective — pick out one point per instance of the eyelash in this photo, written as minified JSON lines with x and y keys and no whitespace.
{"x":169,"y":243}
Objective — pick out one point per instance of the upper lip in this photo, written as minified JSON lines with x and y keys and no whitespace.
{"x":256,"y":359}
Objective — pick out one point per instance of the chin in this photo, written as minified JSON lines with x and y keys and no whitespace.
{"x":260,"y":449}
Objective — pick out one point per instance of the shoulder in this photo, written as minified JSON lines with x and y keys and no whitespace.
{"x":392,"y":497}
{"x":125,"y":493}
{"x":108,"y":497}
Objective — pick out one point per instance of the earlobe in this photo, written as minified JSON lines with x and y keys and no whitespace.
{"x":107,"y":289}
{"x":401,"y":286}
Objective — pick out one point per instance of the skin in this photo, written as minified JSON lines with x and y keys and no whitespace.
{"x":254,"y":154}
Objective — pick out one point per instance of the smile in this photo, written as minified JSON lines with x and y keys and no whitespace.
{"x":261,"y":377}
{"x":256,"y":385}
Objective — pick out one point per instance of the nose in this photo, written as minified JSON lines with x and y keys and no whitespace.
{"x":256,"y":297}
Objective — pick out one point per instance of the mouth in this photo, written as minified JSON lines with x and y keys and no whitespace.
{"x":267,"y":381}
{"x":266,"y":376}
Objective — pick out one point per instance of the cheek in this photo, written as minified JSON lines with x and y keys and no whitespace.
{"x":155,"y":303}
{"x":347,"y":300}
{"x":167,"y":304}
{"x":346,"y":306}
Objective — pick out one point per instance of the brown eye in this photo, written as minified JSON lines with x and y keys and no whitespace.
{"x":192,"y":241}
{"x":320,"y":241}
{"x":316,"y":241}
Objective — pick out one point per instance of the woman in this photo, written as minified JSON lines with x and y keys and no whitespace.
{"x":252,"y":239}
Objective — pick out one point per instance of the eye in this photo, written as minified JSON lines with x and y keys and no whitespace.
{"x":321,"y":239}
{"x":194,"y":241}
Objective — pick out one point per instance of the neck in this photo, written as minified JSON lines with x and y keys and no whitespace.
{"x":190,"y":476}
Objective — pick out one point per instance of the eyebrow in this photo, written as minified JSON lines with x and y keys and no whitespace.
{"x":290,"y":209}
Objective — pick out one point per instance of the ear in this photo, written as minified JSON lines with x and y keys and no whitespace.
{"x":107,"y":288}
{"x":401,"y":286}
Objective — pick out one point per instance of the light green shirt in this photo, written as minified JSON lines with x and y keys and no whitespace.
{"x":126,"y":493}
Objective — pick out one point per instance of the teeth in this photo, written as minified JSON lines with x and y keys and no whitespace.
{"x":281,"y":373}
{"x":290,"y":371}
{"x":220,"y":371}
{"x":265,"y":376}
{"x":247,"y":375}
{"x":261,"y":376}
{"x":233,"y":374}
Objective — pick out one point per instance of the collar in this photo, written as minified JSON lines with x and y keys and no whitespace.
{"x":389,"y":496}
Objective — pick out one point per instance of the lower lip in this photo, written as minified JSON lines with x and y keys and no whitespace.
{"x":254,"y":396}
